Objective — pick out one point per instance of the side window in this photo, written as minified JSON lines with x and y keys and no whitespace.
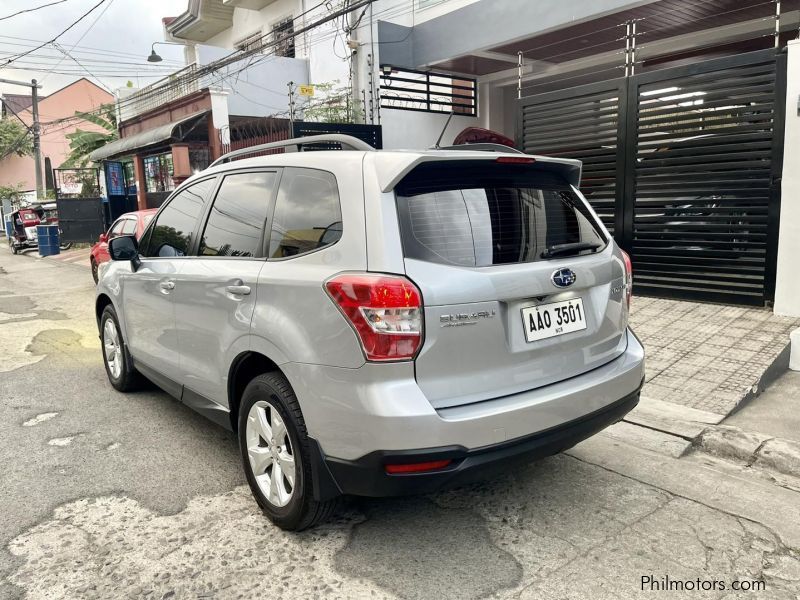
{"x":308,"y":215}
{"x":116,"y":228}
{"x":171,"y":234}
{"x":128,"y":227}
{"x":238,"y":215}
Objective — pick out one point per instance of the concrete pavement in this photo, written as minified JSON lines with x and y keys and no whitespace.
{"x":108,"y":495}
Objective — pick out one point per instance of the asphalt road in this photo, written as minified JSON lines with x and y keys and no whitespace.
{"x":106,"y":495}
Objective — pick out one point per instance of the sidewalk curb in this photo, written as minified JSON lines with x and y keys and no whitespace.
{"x":780,"y":455}
{"x":753,"y":449}
{"x":778,"y":367}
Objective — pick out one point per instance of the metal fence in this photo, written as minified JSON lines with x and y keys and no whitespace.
{"x":80,"y":219}
{"x":683,"y":165}
{"x":406,"y":89}
{"x":371,"y":134}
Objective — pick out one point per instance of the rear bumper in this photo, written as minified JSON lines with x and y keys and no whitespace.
{"x":362,"y":418}
{"x":367,"y":476}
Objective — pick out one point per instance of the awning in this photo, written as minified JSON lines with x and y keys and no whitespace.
{"x":146,"y":138}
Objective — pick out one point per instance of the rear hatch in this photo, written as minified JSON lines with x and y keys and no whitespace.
{"x":521,"y":286}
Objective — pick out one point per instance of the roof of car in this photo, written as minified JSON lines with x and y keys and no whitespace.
{"x":390,"y":166}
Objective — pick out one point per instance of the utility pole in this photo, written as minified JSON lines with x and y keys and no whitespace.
{"x":37,"y":149}
{"x":36,"y":130}
{"x":355,"y":75}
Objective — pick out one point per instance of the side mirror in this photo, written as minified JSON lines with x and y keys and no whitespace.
{"x":124,"y":247}
{"x":103,"y":238}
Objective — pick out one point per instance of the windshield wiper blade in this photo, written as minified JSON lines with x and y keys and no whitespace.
{"x":574,"y":247}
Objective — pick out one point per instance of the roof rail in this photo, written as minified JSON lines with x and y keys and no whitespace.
{"x":481,"y":146}
{"x":345,"y":140}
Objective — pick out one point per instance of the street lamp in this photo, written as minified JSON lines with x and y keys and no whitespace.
{"x":154,"y":56}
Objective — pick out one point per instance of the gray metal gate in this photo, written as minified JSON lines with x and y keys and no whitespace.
{"x":683,"y":165}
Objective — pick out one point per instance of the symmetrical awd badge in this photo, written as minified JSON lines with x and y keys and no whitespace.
{"x":563,"y":277}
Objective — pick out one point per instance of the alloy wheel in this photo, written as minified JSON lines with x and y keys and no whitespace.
{"x":270,"y":452}
{"x":112,"y":348}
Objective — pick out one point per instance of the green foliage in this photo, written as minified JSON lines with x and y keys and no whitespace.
{"x":83,"y":143}
{"x":15,"y":138}
{"x":11,"y":192}
{"x":334,"y":106}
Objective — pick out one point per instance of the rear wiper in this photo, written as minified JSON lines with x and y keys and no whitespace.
{"x":572,"y":248}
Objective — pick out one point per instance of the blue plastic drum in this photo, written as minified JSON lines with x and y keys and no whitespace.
{"x":48,"y":240}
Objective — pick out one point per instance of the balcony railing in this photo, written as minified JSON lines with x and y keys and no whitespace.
{"x":173,"y":86}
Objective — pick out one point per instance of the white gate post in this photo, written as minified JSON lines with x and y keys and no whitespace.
{"x":787,"y":281}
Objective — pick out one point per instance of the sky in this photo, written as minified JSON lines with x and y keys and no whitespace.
{"x":116,"y":40}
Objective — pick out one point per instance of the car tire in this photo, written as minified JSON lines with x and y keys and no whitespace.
{"x":116,"y":359}
{"x":270,"y":397}
{"x":94,"y":270}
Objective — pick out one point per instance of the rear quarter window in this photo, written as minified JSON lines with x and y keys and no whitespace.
{"x":308,"y":214}
{"x":477,"y":215}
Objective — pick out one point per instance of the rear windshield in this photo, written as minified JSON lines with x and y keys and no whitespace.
{"x":478,"y":215}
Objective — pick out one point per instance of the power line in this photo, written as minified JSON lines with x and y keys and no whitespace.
{"x":81,"y":49}
{"x":33,"y":61}
{"x":27,"y":10}
{"x":88,"y":29}
{"x":67,"y":54}
{"x":71,"y":25}
{"x":75,"y":71}
{"x":44,"y":59}
{"x":99,"y":58}
{"x":234,"y":57}
{"x":237,"y":56}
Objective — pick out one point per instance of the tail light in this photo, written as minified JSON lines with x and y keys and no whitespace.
{"x":384,"y":310}
{"x":628,"y":277}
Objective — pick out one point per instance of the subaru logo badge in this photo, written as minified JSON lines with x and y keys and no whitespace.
{"x":563,"y":278}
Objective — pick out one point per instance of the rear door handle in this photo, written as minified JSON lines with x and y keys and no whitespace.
{"x":238,"y":290}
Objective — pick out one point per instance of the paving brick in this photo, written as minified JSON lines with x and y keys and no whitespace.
{"x":706,"y":356}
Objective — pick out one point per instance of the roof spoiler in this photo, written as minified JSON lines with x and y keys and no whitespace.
{"x":391,"y":173}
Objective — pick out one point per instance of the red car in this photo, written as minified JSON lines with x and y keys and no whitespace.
{"x":132,"y":223}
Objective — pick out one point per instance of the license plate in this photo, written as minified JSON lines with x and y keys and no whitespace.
{"x":549,"y":320}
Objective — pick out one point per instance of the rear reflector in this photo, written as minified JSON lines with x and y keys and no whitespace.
{"x":385,"y":311}
{"x":519,"y":160}
{"x":433,"y":465}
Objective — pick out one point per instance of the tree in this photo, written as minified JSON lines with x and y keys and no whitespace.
{"x":83,"y":143}
{"x":15,"y":138}
{"x":335,"y":106}
{"x":12,"y":192}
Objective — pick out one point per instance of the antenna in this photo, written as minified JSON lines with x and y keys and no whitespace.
{"x":441,"y":135}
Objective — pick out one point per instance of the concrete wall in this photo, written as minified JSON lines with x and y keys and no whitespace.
{"x":319,"y":59}
{"x":787,"y":289}
{"x":81,"y":95}
{"x":262,"y":89}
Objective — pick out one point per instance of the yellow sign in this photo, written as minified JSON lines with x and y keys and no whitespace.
{"x":305,"y":90}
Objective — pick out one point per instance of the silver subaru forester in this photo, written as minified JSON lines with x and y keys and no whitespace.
{"x":377,"y":322}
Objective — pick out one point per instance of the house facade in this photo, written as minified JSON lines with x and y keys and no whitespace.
{"x":79,"y":96}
